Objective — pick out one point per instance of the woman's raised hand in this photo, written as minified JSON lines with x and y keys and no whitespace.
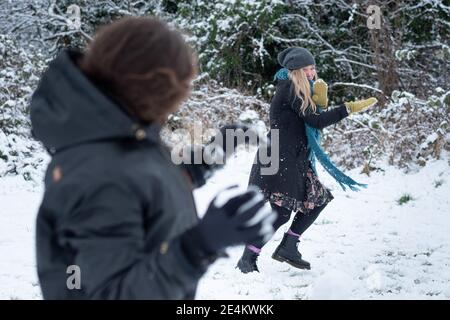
{"x":320,"y":93}
{"x":360,"y":105}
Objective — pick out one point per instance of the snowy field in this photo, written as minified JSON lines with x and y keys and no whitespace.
{"x":363,"y":246}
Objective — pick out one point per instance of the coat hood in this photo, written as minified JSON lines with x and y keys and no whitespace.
{"x":67,"y":109}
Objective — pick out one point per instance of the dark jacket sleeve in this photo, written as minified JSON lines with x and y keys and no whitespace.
{"x":325,"y":118}
{"x":106,"y":233}
{"x":317,"y":120}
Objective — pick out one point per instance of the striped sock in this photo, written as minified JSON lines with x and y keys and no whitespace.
{"x":292,"y":233}
{"x":253,"y":248}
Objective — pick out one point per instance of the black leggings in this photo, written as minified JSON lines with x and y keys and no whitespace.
{"x":301,"y":221}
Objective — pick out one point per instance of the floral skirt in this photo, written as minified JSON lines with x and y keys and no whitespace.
{"x":316,"y":195}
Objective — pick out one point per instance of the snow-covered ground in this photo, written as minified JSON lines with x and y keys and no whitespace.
{"x":19,"y":200}
{"x":365,"y":245}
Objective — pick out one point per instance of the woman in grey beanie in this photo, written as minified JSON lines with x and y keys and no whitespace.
{"x":296,"y":58}
{"x":298,"y":112}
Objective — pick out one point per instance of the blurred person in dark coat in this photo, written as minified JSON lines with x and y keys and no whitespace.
{"x":116,"y":209}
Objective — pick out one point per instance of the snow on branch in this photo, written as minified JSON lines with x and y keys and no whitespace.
{"x":350,"y":84}
{"x":355,"y":62}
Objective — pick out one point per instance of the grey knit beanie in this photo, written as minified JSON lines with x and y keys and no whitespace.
{"x":295,"y":58}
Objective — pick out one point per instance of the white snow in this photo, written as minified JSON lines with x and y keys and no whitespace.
{"x":363,"y":246}
{"x":249,"y":116}
{"x":430,"y":139}
{"x":19,"y":200}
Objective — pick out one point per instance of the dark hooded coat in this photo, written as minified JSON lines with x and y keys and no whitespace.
{"x":290,"y":179}
{"x":114,"y":203}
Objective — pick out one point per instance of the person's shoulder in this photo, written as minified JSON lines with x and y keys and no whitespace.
{"x":284,"y":90}
{"x":284,"y":85}
{"x":283,"y":82}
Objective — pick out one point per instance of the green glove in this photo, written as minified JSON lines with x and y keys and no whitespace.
{"x":320,"y":96}
{"x":359,"y":105}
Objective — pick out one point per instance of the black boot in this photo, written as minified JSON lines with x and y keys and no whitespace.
{"x":287,"y":252}
{"x":247,"y":263}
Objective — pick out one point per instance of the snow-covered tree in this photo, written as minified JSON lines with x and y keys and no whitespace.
{"x":404,"y":61}
{"x":19,"y":75}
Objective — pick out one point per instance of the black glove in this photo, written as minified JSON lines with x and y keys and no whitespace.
{"x":213,"y":155}
{"x":239,"y":219}
{"x":202,"y":171}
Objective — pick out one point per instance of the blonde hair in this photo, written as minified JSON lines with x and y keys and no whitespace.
{"x":302,"y":89}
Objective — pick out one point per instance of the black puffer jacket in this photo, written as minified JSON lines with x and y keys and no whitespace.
{"x":114,"y":203}
{"x":293,"y":158}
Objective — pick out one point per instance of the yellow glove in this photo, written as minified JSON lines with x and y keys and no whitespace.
{"x":320,"y":93}
{"x":359,"y":105}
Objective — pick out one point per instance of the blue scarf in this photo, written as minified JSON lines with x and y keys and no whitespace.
{"x":315,"y":149}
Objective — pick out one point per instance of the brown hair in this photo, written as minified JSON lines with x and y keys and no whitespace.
{"x":143,"y":64}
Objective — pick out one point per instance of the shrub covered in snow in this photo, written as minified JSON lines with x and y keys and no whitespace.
{"x":237,"y":42}
{"x":19,"y":75}
{"x":234,"y":39}
{"x":213,"y":106}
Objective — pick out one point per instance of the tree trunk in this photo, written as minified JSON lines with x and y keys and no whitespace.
{"x":384,"y":44}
